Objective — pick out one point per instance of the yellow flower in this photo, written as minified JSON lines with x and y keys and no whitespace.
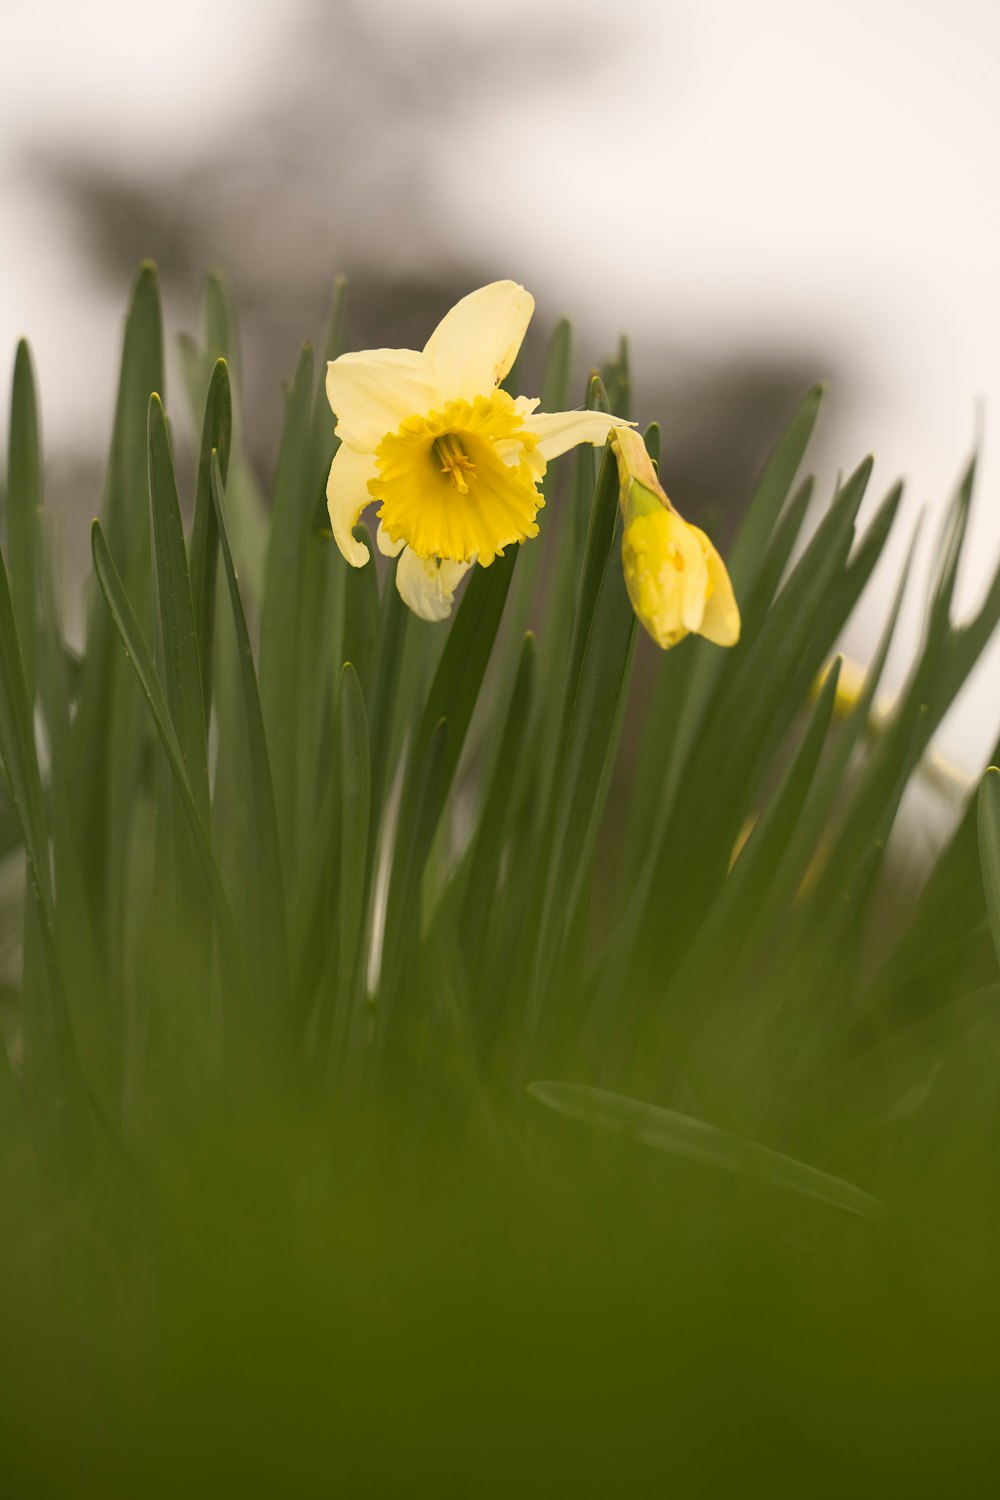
{"x":453,"y":460}
{"x":676,"y":580}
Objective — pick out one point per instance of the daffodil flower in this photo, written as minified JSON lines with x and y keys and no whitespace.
{"x":453,"y":461}
{"x":676,"y":580}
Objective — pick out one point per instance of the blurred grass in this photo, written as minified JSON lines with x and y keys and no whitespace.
{"x":433,"y":1067}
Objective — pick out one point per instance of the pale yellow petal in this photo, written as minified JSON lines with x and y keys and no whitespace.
{"x":693,"y":573}
{"x":721,"y":621}
{"x":385,"y":543}
{"x":666,"y":574}
{"x":346,"y":497}
{"x":558,"y":431}
{"x":374,"y":392}
{"x":427,"y":586}
{"x":515,"y":451}
{"x":476,"y":343}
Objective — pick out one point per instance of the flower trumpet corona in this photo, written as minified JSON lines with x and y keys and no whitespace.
{"x":453,"y":460}
{"x":676,"y":580}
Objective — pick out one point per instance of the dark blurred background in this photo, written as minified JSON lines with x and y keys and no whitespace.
{"x":759,"y":196}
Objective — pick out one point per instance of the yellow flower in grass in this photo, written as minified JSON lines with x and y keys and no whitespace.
{"x":676,"y":580}
{"x":453,"y":461}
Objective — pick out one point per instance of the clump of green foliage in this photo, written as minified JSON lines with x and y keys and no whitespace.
{"x":406,"y":1090}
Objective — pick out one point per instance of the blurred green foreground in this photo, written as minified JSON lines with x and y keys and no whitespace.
{"x":405,"y":1090}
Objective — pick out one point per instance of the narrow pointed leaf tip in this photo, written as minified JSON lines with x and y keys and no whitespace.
{"x":676,"y":580}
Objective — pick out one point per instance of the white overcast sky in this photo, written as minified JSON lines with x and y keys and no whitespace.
{"x":786,"y":172}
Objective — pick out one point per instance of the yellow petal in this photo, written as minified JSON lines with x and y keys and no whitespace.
{"x":558,"y":431}
{"x":373,"y":393}
{"x":514,"y":451}
{"x":666,"y":574}
{"x":346,"y":497}
{"x":469,"y":498}
{"x":676,"y":580}
{"x":427,"y":586}
{"x":385,"y":543}
{"x":476,"y":343}
{"x":721,"y":621}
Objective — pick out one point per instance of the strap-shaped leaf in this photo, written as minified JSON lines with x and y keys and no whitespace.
{"x":216,"y":437}
{"x":592,"y":735}
{"x":773,"y":489}
{"x":577,"y":551}
{"x":487,"y":846}
{"x":617,"y":380}
{"x":753,"y":888}
{"x":554,"y":388}
{"x":459,"y":676}
{"x":176,"y":631}
{"x":269,"y":937}
{"x":361,"y":616}
{"x":393,"y":628}
{"x":323,"y":442}
{"x":743,"y":730}
{"x":50,"y":1019}
{"x":438,"y":744}
{"x":282,"y":615}
{"x":20,"y":760}
{"x":424,"y":796}
{"x":808,"y":829}
{"x":765,"y":534}
{"x":355,"y":812}
{"x":355,"y":797}
{"x":682,"y":1135}
{"x":110,"y":726}
{"x":24,"y":499}
{"x":138,"y":653}
{"x":989,"y":848}
{"x":600,"y":534}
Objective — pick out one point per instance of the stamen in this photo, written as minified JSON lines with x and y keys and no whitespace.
{"x":455,"y":461}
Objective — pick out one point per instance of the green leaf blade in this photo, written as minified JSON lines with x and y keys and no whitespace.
{"x":137,"y":651}
{"x":282,"y":614}
{"x":268,"y":935}
{"x":771,"y":493}
{"x":989,"y":848}
{"x":681,"y":1135}
{"x":24,"y":500}
{"x":216,"y":437}
{"x":177,"y":633}
{"x":355,"y":811}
